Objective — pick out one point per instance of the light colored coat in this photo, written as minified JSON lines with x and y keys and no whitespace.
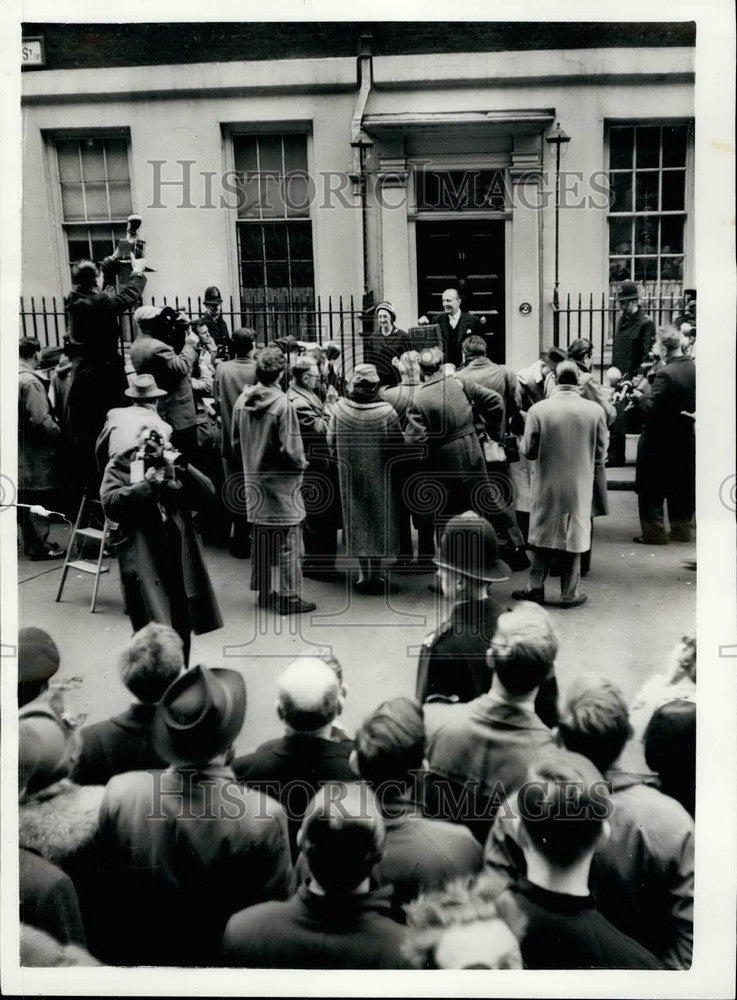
{"x":567,"y":435}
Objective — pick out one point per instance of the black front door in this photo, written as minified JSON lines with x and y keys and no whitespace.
{"x":468,"y":256}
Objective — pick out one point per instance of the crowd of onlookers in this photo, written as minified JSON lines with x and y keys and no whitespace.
{"x":450,"y":835}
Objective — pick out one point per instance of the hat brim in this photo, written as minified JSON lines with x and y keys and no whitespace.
{"x":213,"y":302}
{"x":498,"y":572}
{"x":152,"y":394}
{"x":195,"y":746}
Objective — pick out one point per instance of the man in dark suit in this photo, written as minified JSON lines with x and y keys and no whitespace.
{"x":455,"y":326}
{"x":291,"y":769}
{"x":666,"y":451}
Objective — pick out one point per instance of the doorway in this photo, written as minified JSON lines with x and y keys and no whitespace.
{"x":468,"y":256}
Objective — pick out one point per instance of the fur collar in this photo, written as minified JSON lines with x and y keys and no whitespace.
{"x":59,"y":824}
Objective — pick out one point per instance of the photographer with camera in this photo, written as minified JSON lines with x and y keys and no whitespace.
{"x":150,"y":491}
{"x":167,"y":348}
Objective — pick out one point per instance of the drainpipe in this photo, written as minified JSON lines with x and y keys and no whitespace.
{"x":360,"y":141}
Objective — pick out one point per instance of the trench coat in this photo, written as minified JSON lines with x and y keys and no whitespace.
{"x":567,"y":435}
{"x":38,"y":434}
{"x":156,"y":577}
{"x":366,"y":439}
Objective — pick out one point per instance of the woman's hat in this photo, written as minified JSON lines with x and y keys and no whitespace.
{"x":553,"y":357}
{"x":38,"y":655}
{"x":144,"y":387}
{"x":469,"y":546}
{"x":212,"y":296}
{"x":44,"y":745}
{"x":579,"y":349}
{"x":364,"y":377}
{"x":389,"y":306}
{"x":200,"y":715}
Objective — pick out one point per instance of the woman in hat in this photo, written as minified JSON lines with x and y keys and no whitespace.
{"x":385,"y":343}
{"x":366,"y":438}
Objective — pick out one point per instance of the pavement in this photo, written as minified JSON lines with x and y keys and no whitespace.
{"x":641,"y":599}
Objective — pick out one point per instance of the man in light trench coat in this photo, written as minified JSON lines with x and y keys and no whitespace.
{"x":568,"y":437}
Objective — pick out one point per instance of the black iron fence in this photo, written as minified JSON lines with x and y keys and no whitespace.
{"x":336,"y":320}
{"x":595,"y":318}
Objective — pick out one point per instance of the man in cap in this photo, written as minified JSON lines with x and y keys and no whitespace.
{"x":184,"y":849}
{"x":212,"y":318}
{"x":334,"y":921}
{"x":633,"y":337}
{"x":567,"y":435}
{"x":152,"y":354}
{"x":267,"y":436}
{"x":291,"y":769}
{"x":125,"y":423}
{"x":455,"y":325}
{"x":479,"y":752}
{"x":38,"y":459}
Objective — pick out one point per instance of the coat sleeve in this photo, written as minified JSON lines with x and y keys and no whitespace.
{"x":129,"y":294}
{"x":602,"y":441}
{"x":531,"y":441}
{"x":170,"y":366}
{"x":310,"y":423}
{"x":416,"y":431}
{"x":489,"y":405}
{"x":38,"y":410}
{"x":290,"y":438}
{"x":681,"y":879}
{"x":119,"y":497}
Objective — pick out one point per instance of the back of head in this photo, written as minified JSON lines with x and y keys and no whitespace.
{"x":595,"y":720}
{"x":28,"y":348}
{"x":567,"y":373}
{"x":243,"y":341}
{"x":474,"y":347}
{"x":301,"y":366}
{"x":670,"y":338}
{"x":38,"y":661}
{"x":562,"y":808}
{"x":151,"y":661}
{"x":84,"y":274}
{"x":270,"y":363}
{"x":670,"y":750}
{"x":309,"y":695}
{"x":431,"y":358}
{"x":390,"y":743}
{"x":342,"y":836}
{"x":523,"y":649}
{"x":580,"y":349}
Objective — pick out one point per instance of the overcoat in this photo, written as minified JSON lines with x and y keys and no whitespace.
{"x":367,"y":441}
{"x":153,"y":568}
{"x":379,"y":350}
{"x":172,"y":372}
{"x":567,"y":435}
{"x":38,"y":434}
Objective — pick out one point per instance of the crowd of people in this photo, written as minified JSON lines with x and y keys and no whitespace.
{"x":484,"y":823}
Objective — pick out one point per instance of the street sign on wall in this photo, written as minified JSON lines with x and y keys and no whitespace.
{"x":32,"y":55}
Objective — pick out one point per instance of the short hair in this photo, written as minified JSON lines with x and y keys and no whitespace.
{"x":562,"y":818}
{"x":342,"y":836}
{"x":452,"y":289}
{"x":474,"y":346}
{"x":151,"y":661}
{"x":243,"y":340}
{"x":28,"y":348}
{"x":523,"y":648}
{"x":84,"y":273}
{"x":466,"y":900}
{"x":670,"y":750}
{"x":326,"y":656}
{"x":270,"y":363}
{"x":390,"y":743}
{"x":431,"y":358}
{"x":566,"y":373}
{"x":301,"y":365}
{"x":319,"y":704}
{"x":595,"y":720}
{"x":580,"y":348}
{"x":670,"y":337}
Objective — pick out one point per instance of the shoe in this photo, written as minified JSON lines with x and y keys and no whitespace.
{"x":362,"y":586}
{"x":677,"y":536}
{"x":536,"y":595}
{"x":324,"y":575}
{"x":689,"y":564}
{"x":575,"y":602}
{"x":53,"y":552}
{"x":295,"y":606}
{"x":239,"y":552}
{"x":404,"y":567}
{"x":425,"y":566}
{"x":516,"y":559}
{"x":641,"y":540}
{"x":270,"y":600}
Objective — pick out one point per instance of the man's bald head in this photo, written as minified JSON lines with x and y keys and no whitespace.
{"x":309,"y":695}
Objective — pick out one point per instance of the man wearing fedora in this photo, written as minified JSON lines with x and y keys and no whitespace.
{"x":124,"y":423}
{"x":212,"y":318}
{"x":633,"y":338}
{"x":184,"y":849}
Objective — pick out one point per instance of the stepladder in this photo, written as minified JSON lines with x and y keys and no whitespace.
{"x":84,"y":534}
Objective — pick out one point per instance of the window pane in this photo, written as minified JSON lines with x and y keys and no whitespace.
{"x":648,"y":146}
{"x":619,"y":269}
{"x":620,"y":147}
{"x":96,"y":198}
{"x":275,"y":242}
{"x":116,"y":152}
{"x":620,"y":236}
{"x":295,"y":152}
{"x":251,"y":238}
{"x":252,"y":277}
{"x":72,"y":205}
{"x":93,"y":166}
{"x":120,"y":199}
{"x":646,"y":235}
{"x":78,"y":249}
{"x":302,"y":276}
{"x":621,"y":192}
{"x":646,"y":268}
{"x":272,"y":203}
{"x":674,"y":145}
{"x":673,"y":190}
{"x":277,"y":274}
{"x":244,"y":153}
{"x":248,"y":200}
{"x":671,"y":268}
{"x":269,"y":149}
{"x":67,"y":152}
{"x":296,"y":192}
{"x":671,"y":234}
{"x":300,"y":242}
{"x":102,"y":246}
{"x":646,"y":191}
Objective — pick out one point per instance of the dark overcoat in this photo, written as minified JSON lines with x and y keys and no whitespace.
{"x":153,"y":570}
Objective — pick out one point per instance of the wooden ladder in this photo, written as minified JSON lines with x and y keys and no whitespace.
{"x":99,"y":535}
